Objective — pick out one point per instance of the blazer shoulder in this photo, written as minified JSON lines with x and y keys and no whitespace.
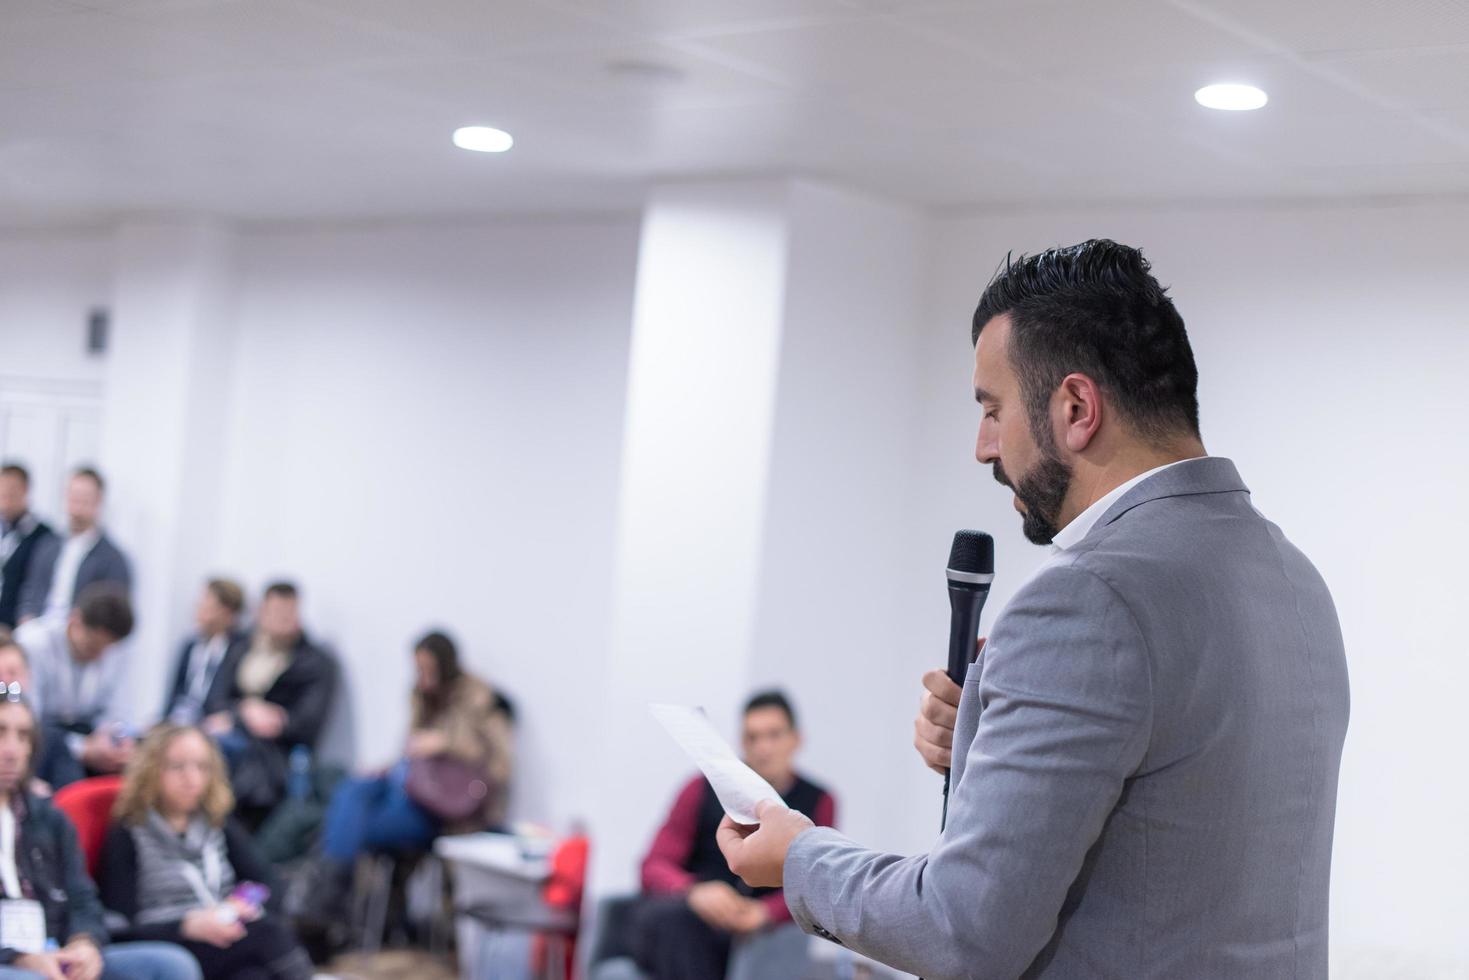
{"x":43,"y":812}
{"x":107,"y":549}
{"x":1069,"y":596}
{"x":48,"y":547}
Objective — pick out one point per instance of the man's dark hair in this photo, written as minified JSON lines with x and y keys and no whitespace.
{"x":19,"y":472}
{"x":227,"y":593}
{"x":105,"y":606}
{"x":1096,"y":309}
{"x":286,"y":590}
{"x":91,"y":474}
{"x":772,"y":699}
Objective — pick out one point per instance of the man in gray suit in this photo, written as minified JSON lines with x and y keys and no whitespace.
{"x":1148,"y":746}
{"x":64,"y":568}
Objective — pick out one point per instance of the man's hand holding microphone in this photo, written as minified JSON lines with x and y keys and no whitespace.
{"x":938,"y":710}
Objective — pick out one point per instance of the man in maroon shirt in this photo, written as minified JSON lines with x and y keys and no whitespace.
{"x":693,"y":906}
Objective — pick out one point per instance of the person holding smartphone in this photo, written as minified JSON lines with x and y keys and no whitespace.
{"x":179,"y":869}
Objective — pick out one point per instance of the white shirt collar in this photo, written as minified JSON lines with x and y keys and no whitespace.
{"x":87,"y":538}
{"x":1071,"y":535}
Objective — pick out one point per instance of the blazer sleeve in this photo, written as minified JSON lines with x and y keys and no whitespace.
{"x":84,"y":909}
{"x":221,"y":695}
{"x":119,"y":704}
{"x":124,"y":569}
{"x":37,"y":583}
{"x":307,"y":713}
{"x":179,"y":677}
{"x":823,"y":815}
{"x":1065,"y":717}
{"x":113,"y":566}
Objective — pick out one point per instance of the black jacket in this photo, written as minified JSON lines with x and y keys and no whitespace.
{"x":20,"y":566}
{"x":49,"y":857}
{"x":219,"y":695}
{"x":104,"y":563}
{"x":306,"y":689}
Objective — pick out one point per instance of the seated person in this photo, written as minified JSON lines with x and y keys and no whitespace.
{"x":455,"y":715}
{"x":280,"y":693}
{"x":180,"y":870}
{"x":206,"y":664}
{"x":53,"y":923}
{"x":15,"y":680}
{"x":65,"y":567}
{"x":22,"y":534}
{"x":79,"y":667}
{"x":693,"y":906}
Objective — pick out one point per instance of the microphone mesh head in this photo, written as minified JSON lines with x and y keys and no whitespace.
{"x":974,"y":552}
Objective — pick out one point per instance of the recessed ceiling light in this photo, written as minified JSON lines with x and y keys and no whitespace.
{"x":484,"y":139}
{"x":1232,"y":97}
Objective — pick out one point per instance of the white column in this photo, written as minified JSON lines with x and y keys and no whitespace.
{"x":167,"y":389}
{"x":701,"y":399}
{"x":852,"y":606}
{"x":766,"y":512}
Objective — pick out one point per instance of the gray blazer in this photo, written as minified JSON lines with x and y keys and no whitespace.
{"x":104,"y":563}
{"x":1145,"y":766}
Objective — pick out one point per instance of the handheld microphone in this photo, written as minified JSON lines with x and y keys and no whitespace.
{"x":971,"y":570}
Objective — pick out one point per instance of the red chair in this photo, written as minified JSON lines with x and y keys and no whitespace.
{"x":554,"y":952}
{"x":88,"y":804}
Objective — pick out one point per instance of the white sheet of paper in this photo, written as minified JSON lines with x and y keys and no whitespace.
{"x":738,"y":786}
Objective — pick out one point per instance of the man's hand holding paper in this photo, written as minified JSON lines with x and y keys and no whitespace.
{"x":738,"y":787}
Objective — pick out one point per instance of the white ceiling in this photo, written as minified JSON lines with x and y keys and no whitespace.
{"x":266,"y":109}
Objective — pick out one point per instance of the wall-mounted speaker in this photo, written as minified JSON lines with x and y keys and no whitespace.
{"x":98,"y":322}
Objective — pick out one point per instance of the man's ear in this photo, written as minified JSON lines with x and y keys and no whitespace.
{"x":1080,"y":411}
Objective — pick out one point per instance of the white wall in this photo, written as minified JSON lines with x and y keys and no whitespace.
{"x":842,"y":584}
{"x":50,"y":387}
{"x":163,"y":424}
{"x":425,"y":431}
{"x":1331,"y":345}
{"x":707,"y":334}
{"x":49,"y":281}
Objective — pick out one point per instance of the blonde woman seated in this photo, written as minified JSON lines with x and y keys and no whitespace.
{"x":179,"y":869}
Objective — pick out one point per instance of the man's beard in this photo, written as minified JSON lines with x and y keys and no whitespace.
{"x":1042,"y":491}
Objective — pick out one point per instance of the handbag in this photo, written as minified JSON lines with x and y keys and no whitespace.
{"x":447,"y":787}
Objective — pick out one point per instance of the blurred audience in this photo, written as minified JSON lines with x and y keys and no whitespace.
{"x":80,"y":671}
{"x":242,"y":716}
{"x":53,"y":922}
{"x":21,"y":534}
{"x":204,"y":672}
{"x":280,"y":693}
{"x":453,"y":777}
{"x":693,"y":906}
{"x":179,"y":869}
{"x":65,"y":568}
